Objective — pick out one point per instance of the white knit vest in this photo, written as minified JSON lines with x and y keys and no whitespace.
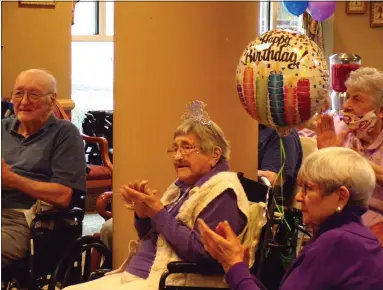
{"x":199,"y":199}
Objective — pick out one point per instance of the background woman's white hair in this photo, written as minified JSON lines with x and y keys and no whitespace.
{"x":210,"y":136}
{"x":368,"y":80}
{"x":333,"y":167}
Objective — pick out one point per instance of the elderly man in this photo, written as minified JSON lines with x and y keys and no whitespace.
{"x":42,"y":161}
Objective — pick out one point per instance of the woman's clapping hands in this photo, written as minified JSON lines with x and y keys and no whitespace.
{"x":141,"y":198}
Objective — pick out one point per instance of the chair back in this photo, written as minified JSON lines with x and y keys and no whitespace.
{"x":309,"y":145}
{"x":59,"y":112}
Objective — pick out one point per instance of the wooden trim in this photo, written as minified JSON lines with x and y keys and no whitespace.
{"x":67,"y":104}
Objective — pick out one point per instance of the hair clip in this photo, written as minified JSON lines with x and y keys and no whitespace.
{"x":195,"y":111}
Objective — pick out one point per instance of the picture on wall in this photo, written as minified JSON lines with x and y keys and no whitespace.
{"x":376,"y":18}
{"x":356,"y":7}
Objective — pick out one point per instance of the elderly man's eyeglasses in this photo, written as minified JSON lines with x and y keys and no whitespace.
{"x":33,"y":97}
{"x":184,"y":150}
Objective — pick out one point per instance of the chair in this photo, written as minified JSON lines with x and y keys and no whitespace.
{"x":309,"y":145}
{"x":256,"y":192}
{"x":75,"y":266}
{"x":99,"y":177}
{"x":269,"y":242}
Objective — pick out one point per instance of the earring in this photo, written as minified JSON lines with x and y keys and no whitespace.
{"x":338,"y":209}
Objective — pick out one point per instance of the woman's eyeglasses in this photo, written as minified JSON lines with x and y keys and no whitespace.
{"x":306,"y":187}
{"x":184,"y":150}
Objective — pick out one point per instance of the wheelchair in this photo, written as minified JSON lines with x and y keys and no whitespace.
{"x":271,"y":239}
{"x":277,"y":246}
{"x":51,"y":233}
{"x":59,"y":255}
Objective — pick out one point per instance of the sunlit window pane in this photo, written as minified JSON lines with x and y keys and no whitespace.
{"x":286,"y":20}
{"x":92,"y":78}
{"x":109,"y":18}
{"x":85,"y":18}
{"x":264,"y":16}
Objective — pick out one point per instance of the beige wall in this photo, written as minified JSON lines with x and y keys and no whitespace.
{"x":167,"y":54}
{"x":36,"y":38}
{"x":353,"y":34}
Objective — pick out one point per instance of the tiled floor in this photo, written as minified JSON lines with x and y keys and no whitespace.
{"x":92,"y":224}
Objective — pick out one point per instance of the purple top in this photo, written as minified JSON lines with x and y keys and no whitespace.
{"x":343,"y":255}
{"x":185,"y":242}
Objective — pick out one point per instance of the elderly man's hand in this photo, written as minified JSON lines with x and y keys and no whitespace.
{"x":7,"y":175}
{"x":146,"y":203}
{"x":223,"y":245}
{"x":326,"y":136}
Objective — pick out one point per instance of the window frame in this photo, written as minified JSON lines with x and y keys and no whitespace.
{"x":272,"y":15}
{"x":100,"y":35}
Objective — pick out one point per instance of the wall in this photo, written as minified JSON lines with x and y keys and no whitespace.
{"x":353,"y":34}
{"x":36,"y":38}
{"x":167,"y":54}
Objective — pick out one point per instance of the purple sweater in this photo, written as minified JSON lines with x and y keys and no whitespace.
{"x":185,"y":242}
{"x":343,"y":255}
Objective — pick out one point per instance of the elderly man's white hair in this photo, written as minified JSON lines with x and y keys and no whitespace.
{"x":46,"y":75}
{"x":333,"y":167}
{"x":368,"y":80}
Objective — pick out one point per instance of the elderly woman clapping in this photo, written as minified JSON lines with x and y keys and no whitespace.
{"x":343,"y":254}
{"x":167,"y":227}
{"x":363,"y":115}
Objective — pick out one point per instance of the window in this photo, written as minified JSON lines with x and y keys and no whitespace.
{"x":273,"y":15}
{"x":92,"y":58}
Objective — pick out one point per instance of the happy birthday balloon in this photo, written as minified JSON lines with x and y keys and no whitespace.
{"x":282,"y":79}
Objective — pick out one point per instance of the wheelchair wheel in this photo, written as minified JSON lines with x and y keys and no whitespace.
{"x":75,"y":265}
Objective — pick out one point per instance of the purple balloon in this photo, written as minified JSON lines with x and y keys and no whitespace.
{"x":321,"y":10}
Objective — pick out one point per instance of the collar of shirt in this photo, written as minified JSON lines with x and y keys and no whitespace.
{"x":355,"y":143}
{"x":220,"y":167}
{"x":16,"y":123}
{"x":348,"y":216}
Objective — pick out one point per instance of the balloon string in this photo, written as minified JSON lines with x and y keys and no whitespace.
{"x":280,"y":175}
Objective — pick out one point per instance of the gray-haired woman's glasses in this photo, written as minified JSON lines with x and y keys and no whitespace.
{"x":18,"y":95}
{"x":184,"y":150}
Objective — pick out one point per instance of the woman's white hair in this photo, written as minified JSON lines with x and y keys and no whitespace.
{"x":209,"y":135}
{"x":368,"y":80}
{"x":333,"y":167}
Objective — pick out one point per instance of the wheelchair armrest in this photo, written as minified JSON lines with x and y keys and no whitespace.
{"x":60,"y":214}
{"x":203,"y":268}
{"x":207,"y":268}
{"x":98,"y":274}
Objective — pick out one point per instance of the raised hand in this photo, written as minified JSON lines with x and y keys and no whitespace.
{"x":144,"y":200}
{"x":326,"y":136}
{"x":223,"y":245}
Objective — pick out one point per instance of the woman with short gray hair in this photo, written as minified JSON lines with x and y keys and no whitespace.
{"x":346,"y":169}
{"x":343,"y":254}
